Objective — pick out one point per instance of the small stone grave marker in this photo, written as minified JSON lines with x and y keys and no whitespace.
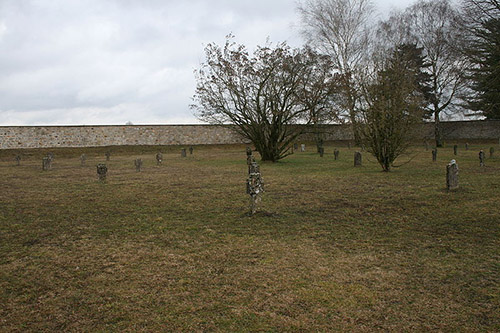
{"x":108,"y":155}
{"x":452,"y":175}
{"x":302,"y":147}
{"x":357,"y":159}
{"x":336,"y":154}
{"x":481,"y":158}
{"x":455,"y":150}
{"x":46,"y":163}
{"x":191,"y":150}
{"x":183,"y":152}
{"x":83,"y":159}
{"x":255,"y":186}
{"x":18,"y":160}
{"x":138,"y":164}
{"x":466,"y":146}
{"x":159,"y":158}
{"x":434,"y":154}
{"x":102,"y":171}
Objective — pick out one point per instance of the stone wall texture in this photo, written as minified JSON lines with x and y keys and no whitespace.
{"x":13,"y":137}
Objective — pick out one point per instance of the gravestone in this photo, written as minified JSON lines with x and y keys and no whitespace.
{"x":159,"y":158}
{"x":481,"y":158}
{"x":452,"y":175}
{"x":434,"y":154}
{"x":302,"y":147}
{"x":183,"y":152}
{"x":83,"y":158}
{"x":357,"y":158}
{"x":255,"y":186}
{"x":492,"y":151}
{"x":102,"y":171}
{"x":336,"y":154}
{"x":108,"y":155}
{"x":191,"y":150}
{"x":455,"y":150}
{"x":321,"y":151}
{"x":295,"y":146}
{"x":18,"y":160}
{"x":466,"y":146}
{"x":250,"y":159}
{"x":46,"y":163}
{"x":138,"y":164}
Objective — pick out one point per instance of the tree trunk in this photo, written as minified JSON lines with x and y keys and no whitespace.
{"x":437,"y":130}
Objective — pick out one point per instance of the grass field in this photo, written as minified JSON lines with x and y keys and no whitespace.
{"x":333,"y":248}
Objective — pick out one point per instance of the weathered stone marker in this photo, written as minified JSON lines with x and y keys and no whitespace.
{"x":18,"y":160}
{"x":492,"y":151}
{"x":302,"y":147}
{"x":183,"y":152}
{"x":46,"y":163}
{"x":191,"y":150}
{"x":452,"y":175}
{"x":255,"y":186}
{"x":321,"y":151}
{"x":466,"y":146}
{"x":434,"y":154}
{"x":159,"y":158}
{"x":481,"y":158}
{"x":138,"y":164}
{"x":108,"y":155}
{"x":102,"y":171}
{"x":83,"y":159}
{"x":336,"y":154}
{"x":357,"y":158}
{"x":455,"y":150}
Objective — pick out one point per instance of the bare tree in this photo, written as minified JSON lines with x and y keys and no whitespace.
{"x":263,"y":94}
{"x":339,"y":28}
{"x":430,"y":24}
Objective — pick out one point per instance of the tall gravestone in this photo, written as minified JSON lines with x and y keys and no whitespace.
{"x":481,"y":158}
{"x":455,"y":150}
{"x":159,"y":158}
{"x":434,"y":154}
{"x":452,"y":175}
{"x":255,"y":186}
{"x":492,"y":152}
{"x":83,"y":159}
{"x":108,"y":155}
{"x":18,"y":160}
{"x":102,"y":171}
{"x":183,"y":152}
{"x":138,"y":164}
{"x":302,"y":147}
{"x":357,"y":159}
{"x":336,"y":154}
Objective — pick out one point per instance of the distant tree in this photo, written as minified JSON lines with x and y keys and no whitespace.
{"x":394,"y":102}
{"x":339,"y":28}
{"x":263,"y":94}
{"x":481,"y":19}
{"x":431,"y":25}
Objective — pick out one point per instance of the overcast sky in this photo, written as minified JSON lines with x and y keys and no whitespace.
{"x":89,"y":62}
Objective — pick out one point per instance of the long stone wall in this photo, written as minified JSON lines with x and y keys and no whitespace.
{"x":12,"y":137}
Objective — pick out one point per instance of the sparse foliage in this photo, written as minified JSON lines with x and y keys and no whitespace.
{"x":263,"y":94}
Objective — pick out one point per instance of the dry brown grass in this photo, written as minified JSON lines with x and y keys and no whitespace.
{"x":172,"y":249}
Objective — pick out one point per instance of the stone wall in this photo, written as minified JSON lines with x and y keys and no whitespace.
{"x":12,"y":137}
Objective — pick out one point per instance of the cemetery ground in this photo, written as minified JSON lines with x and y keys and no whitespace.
{"x":171,"y":248}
